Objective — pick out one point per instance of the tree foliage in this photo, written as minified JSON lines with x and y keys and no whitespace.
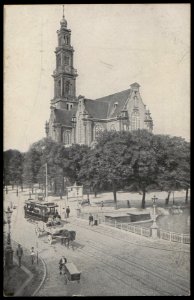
{"x":139,"y":160}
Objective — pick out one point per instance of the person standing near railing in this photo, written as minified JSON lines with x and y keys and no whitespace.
{"x":32,"y":254}
{"x":91,"y":219}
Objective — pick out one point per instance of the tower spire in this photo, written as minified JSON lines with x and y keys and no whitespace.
{"x":63,"y":21}
{"x":63,"y":12}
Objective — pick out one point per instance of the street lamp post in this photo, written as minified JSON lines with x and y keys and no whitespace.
{"x":154,"y":227}
{"x":8,"y":248}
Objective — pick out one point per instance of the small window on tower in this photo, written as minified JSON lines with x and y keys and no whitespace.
{"x":67,"y":87}
{"x":66,"y":60}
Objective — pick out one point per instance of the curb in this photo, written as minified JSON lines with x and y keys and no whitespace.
{"x":43,"y":279}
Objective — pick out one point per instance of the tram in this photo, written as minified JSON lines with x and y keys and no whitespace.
{"x":39,"y":210}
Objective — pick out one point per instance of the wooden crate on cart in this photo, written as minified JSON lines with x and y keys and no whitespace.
{"x":73,"y":274}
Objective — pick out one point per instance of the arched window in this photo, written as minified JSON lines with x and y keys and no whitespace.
{"x":66,"y":60}
{"x":67,"y":87}
{"x":135,"y":101}
{"x":67,"y":137}
{"x":135,"y":121}
{"x":98,"y":130}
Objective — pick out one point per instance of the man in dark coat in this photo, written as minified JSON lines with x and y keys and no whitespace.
{"x":67,"y":211}
{"x":19,"y":253}
{"x":62,"y":263}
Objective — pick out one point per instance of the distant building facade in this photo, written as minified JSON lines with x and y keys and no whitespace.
{"x":78,"y":120}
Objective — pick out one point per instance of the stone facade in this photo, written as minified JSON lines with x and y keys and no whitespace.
{"x":80,"y":120}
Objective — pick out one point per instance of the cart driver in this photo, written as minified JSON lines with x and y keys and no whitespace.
{"x":62,"y":263}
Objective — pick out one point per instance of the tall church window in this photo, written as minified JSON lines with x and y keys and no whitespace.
{"x":67,"y":137}
{"x":98,"y":130}
{"x":135,"y":120}
{"x":135,"y":101}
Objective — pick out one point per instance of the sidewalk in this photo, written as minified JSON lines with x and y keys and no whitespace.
{"x":26,"y":280}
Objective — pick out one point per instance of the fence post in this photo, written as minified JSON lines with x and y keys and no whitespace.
{"x":182,"y":238}
{"x":115,"y":223}
{"x":170,"y":237}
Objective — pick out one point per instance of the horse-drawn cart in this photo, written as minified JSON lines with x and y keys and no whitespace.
{"x":56,"y":232}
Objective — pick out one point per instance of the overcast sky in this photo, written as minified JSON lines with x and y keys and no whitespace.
{"x":115,"y":45}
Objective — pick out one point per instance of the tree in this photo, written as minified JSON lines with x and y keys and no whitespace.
{"x":174,"y":164}
{"x":13,"y":167}
{"x":71,"y":158}
{"x":30,"y":169}
{"x":48,"y":153}
{"x":144,"y":163}
{"x":109,"y":164}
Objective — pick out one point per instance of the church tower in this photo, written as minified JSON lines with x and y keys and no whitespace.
{"x":64,"y":75}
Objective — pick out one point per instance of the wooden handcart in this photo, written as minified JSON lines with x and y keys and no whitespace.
{"x":71,"y":272}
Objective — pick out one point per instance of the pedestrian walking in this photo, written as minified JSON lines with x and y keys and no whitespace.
{"x":91,"y":219}
{"x":67,"y":211}
{"x":62,"y":263}
{"x":19,"y":253}
{"x":32,"y":254}
{"x":102,"y":204}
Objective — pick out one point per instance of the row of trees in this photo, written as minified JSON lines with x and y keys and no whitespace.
{"x":139,"y":161}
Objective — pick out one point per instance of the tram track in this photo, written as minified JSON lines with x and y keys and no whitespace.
{"x":110,"y":271}
{"x":144,"y":274}
{"x":182,"y":288}
{"x":137,"y":263}
{"x":140,"y":267}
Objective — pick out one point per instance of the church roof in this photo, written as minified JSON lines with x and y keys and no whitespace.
{"x":107,"y":107}
{"x":96,"y":109}
{"x":63,"y":116}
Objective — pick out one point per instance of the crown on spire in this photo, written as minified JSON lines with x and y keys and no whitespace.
{"x":63,"y":21}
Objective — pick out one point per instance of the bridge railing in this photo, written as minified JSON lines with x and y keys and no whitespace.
{"x":113,"y":223}
{"x":162,"y":234}
{"x":174,"y":237}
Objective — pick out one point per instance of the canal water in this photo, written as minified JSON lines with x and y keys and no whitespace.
{"x":179,"y":223}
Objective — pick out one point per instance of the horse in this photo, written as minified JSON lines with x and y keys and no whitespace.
{"x":67,"y":236}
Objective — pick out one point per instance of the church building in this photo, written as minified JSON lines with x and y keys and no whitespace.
{"x":79,"y":120}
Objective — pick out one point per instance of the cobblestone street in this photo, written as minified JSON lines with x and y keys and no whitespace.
{"x":112,"y":262}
